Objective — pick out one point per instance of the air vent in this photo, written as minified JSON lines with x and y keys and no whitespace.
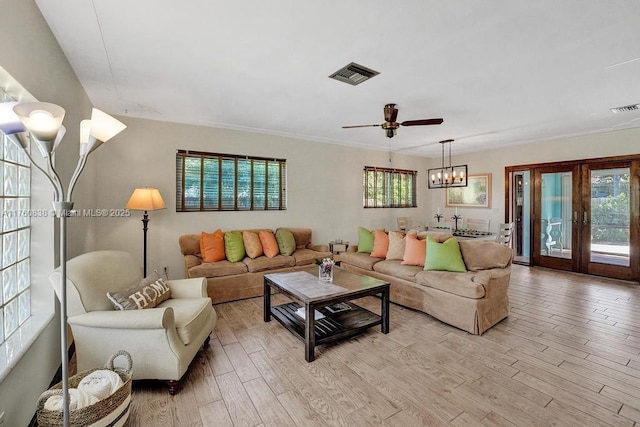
{"x":626,"y":108}
{"x":354,"y":74}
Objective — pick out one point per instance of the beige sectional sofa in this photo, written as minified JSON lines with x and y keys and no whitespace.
{"x":229,"y":281}
{"x":473,"y":301}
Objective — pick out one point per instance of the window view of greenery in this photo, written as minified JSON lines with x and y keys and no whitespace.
{"x":228,"y":182}
{"x":389,"y":188}
{"x":610,"y":206}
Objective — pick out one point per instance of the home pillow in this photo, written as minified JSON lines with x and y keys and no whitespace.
{"x":286,"y":241}
{"x":414,"y":251}
{"x":444,"y":256}
{"x":252,"y":244}
{"x":269,"y":244}
{"x":148,"y":293}
{"x":212,"y":246}
{"x":233,"y":246}
{"x":396,"y":245}
{"x":365,"y":240}
{"x":380,"y":244}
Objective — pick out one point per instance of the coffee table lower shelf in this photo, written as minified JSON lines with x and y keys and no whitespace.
{"x":333,"y":327}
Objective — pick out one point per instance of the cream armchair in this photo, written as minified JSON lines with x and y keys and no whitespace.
{"x":162,"y":341}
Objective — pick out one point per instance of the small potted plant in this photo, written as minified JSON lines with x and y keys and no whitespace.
{"x":325,"y":269}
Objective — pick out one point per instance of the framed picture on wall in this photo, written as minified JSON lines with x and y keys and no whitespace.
{"x":477,"y":194}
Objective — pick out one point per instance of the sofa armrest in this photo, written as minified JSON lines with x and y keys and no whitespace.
{"x":149,"y":318}
{"x":188,"y":288}
{"x":352,"y":248}
{"x":495,"y":281}
{"x":191,"y":261}
{"x":318,"y":248}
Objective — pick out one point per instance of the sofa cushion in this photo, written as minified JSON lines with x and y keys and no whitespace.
{"x":380,"y":244}
{"x":302,"y":237}
{"x":358,"y":259}
{"x":365,"y":240}
{"x":148,"y":293}
{"x":483,"y":254}
{"x":455,"y":283}
{"x":414,"y":251}
{"x":396,"y":245}
{"x":252,"y":245}
{"x":269,"y":244}
{"x":234,"y":246}
{"x":444,"y":256}
{"x":212,"y":246}
{"x":396,"y":269}
{"x":218,"y":269}
{"x":191,"y":316}
{"x":286,"y":241}
{"x":308,"y":256}
{"x":263,"y":263}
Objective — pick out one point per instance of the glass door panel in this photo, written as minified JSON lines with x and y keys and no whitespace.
{"x":606,"y":224}
{"x":610,"y":216}
{"x":555,"y":215}
{"x":556,"y":204}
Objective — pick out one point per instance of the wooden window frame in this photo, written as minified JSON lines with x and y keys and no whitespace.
{"x":379,"y":184}
{"x":201,"y":205}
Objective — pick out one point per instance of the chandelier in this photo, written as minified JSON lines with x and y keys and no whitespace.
{"x":447,"y":175}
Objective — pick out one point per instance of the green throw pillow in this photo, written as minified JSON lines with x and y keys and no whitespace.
{"x":444,"y":256}
{"x":286,"y":241}
{"x":234,"y":246}
{"x":365,"y":240}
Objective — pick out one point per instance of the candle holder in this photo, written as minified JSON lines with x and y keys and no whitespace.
{"x":456,"y":218}
{"x":438,"y":216}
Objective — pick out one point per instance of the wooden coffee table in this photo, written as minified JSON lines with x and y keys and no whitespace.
{"x":304,"y":288}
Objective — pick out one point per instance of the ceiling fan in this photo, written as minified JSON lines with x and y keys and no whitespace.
{"x":390,"y":125}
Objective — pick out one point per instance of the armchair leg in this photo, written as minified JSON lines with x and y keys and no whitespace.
{"x":174,"y":386}
{"x":206,"y":341}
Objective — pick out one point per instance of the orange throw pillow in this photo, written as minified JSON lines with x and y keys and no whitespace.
{"x":380,"y":244}
{"x":269,"y":243}
{"x":212,"y":246}
{"x":415,"y":251}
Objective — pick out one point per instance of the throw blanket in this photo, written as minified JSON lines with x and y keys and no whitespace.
{"x":77,"y":399}
{"x":101,"y":383}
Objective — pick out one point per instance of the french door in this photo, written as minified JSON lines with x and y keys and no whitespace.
{"x":585,"y":217}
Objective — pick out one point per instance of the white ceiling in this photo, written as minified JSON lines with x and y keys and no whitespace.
{"x":498,"y":71}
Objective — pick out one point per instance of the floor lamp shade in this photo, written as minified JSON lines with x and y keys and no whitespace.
{"x":145,"y":199}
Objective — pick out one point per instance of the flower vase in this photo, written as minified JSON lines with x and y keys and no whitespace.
{"x":325,"y":273}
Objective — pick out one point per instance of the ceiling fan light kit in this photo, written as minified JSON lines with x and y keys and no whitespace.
{"x":447,"y":175}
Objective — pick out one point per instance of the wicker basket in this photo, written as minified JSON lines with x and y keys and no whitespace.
{"x":111,"y":411}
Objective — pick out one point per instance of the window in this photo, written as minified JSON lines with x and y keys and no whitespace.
{"x":389,"y":188}
{"x":229,"y":182}
{"x":15,"y":275}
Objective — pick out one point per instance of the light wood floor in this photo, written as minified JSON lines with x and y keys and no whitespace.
{"x":569,"y":355}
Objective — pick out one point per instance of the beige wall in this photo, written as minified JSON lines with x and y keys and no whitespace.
{"x":29,"y":52}
{"x":324,"y":187}
{"x":324,"y":184}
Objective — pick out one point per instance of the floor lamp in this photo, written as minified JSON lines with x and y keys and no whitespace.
{"x":145,"y":199}
{"x":43,"y":122}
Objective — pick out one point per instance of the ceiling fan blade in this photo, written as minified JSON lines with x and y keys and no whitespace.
{"x":390,"y":113}
{"x":359,"y":126}
{"x":422,"y":122}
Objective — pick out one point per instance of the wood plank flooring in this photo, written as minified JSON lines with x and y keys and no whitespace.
{"x":568,"y":355}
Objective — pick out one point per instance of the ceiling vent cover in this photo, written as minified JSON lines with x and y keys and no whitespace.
{"x":626,"y":108}
{"x":354,"y":74}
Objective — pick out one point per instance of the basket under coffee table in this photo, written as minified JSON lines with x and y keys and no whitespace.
{"x":304,"y":288}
